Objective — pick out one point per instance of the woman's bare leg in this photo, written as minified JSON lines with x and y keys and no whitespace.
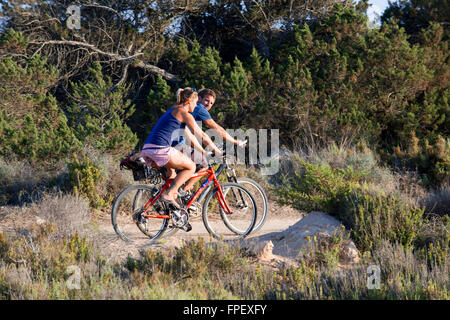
{"x":187,"y":166}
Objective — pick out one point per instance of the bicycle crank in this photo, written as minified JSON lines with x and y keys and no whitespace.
{"x":181,"y":220}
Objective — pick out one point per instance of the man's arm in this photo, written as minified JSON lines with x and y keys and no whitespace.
{"x":210,"y":123}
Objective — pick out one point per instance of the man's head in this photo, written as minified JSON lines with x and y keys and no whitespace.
{"x":207,"y":97}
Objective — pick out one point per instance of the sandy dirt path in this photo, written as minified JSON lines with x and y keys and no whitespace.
{"x":279,"y":218}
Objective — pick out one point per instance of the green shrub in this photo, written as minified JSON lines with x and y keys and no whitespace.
{"x":320,"y":187}
{"x":84,"y":178}
{"x":34,"y":265}
{"x":193,"y":259}
{"x":324,"y":251}
{"x":433,"y":243}
{"x":431,"y":161}
{"x":377,"y":217}
{"x":364,"y":207}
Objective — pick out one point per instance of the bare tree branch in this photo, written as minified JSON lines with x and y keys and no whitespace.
{"x":114,"y":56}
{"x":122,"y":79}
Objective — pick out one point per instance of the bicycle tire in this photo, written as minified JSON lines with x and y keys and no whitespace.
{"x":262,"y":205}
{"x":124,"y":216}
{"x":244,"y":216}
{"x":170,"y":230}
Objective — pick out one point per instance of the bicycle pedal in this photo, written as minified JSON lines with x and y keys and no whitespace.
{"x":179,"y":219}
{"x":193,"y":209}
{"x":187,"y":227}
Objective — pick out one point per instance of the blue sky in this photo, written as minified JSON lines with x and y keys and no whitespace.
{"x":377,"y":7}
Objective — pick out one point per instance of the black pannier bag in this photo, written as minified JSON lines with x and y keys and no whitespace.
{"x":138,"y":166}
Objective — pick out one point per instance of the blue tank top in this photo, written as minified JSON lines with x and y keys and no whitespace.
{"x":161,"y":133}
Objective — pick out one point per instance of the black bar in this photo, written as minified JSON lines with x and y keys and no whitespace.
{"x":220,"y":309}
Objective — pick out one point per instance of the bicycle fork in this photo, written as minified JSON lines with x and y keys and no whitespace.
{"x":232,"y":177}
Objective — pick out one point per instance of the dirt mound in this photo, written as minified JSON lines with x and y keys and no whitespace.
{"x":286,"y":245}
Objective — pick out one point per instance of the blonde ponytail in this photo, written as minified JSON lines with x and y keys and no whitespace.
{"x":183,"y":95}
{"x":179,"y":92}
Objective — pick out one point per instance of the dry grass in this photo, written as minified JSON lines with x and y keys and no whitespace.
{"x":35,"y":266}
{"x":114,"y":179}
{"x":67,"y":212}
{"x":19,"y":182}
{"x":22,"y":183}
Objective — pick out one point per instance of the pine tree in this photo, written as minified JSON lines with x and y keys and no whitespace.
{"x":32,"y":126}
{"x":98,"y":115}
{"x":159,"y":98}
{"x":200,"y":68}
{"x":417,"y":15}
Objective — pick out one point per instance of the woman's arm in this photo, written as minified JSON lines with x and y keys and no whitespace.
{"x":196,"y":131}
{"x":193,"y":140}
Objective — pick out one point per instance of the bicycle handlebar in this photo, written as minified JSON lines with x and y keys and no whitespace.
{"x":242,"y":143}
{"x":214,"y":158}
{"x":223,"y":154}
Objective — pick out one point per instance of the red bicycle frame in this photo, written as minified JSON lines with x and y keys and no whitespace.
{"x":168,"y":182}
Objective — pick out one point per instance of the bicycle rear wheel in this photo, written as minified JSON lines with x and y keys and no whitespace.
{"x":140,"y":200}
{"x":261,"y":200}
{"x":125,"y":214}
{"x":243,"y":212}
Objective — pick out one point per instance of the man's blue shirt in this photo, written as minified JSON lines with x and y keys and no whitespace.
{"x":200,"y":114}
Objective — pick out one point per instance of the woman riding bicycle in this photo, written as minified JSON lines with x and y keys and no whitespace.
{"x":158,"y":148}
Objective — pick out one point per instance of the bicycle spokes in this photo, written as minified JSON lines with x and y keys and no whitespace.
{"x":237,"y":220}
{"x":128,"y":212}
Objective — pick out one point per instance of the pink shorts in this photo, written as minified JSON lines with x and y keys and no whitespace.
{"x":159,"y":154}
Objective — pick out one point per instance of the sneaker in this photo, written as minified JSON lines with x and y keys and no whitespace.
{"x":184,"y":196}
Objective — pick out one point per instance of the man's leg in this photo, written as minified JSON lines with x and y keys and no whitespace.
{"x":190,"y":185}
{"x":201,"y":166}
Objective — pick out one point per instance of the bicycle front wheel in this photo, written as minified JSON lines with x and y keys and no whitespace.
{"x":262,"y":203}
{"x":243,"y":213}
{"x":126,"y":214}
